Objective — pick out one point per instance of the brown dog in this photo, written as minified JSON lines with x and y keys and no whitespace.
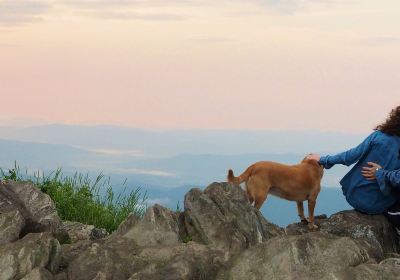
{"x":298,"y":183}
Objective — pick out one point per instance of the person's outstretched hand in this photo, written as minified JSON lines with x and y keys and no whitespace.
{"x":370,"y":172}
{"x":316,"y":157}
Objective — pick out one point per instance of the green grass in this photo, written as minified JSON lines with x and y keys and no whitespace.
{"x":81,"y":199}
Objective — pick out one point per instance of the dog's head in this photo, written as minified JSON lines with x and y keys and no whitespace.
{"x":315,"y":164}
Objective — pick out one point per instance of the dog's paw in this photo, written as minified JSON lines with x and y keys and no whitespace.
{"x":312,"y":227}
{"x":304,"y":221}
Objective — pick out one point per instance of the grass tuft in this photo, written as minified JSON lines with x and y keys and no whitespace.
{"x":81,"y":199}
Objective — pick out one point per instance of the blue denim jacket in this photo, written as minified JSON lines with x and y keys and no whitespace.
{"x":364,"y":195}
{"x":388,"y":179}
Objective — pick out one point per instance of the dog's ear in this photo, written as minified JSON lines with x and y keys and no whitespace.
{"x":312,"y":161}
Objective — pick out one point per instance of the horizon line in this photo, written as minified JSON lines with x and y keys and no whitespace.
{"x":174,"y":129}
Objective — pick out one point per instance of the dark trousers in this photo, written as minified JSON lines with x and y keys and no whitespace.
{"x":393,"y":215}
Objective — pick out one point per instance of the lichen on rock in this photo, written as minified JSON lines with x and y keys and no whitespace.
{"x":218,"y":235}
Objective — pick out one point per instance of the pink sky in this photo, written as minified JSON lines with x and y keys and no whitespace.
{"x":323,"y":65}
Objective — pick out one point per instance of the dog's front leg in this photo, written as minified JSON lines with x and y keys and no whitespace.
{"x":300,"y":210}
{"x":311,"y":207}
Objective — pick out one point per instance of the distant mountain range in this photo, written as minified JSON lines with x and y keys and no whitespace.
{"x":160,"y":143}
{"x":166,"y":164}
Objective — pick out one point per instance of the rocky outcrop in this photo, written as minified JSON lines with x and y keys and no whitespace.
{"x":37,"y":209}
{"x":219,"y":235}
{"x":372,"y":228}
{"x":35,"y":250}
{"x":121,"y":259}
{"x":221,"y":216}
{"x":69,"y":252}
{"x":159,"y":226}
{"x":388,"y":269}
{"x":307,"y":256}
{"x":190,"y":261}
{"x":78,"y":231}
{"x":11,"y":225}
{"x":39,"y":274}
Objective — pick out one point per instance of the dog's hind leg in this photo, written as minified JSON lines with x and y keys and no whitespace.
{"x":259,"y":201}
{"x":250,"y":197}
{"x":262,"y":193}
{"x":250,"y":190}
{"x":311,"y":206}
{"x":300,"y":210}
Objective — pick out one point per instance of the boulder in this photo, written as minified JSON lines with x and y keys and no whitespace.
{"x":39,"y":274}
{"x":120,"y":258}
{"x":222,"y":216}
{"x":374,"y":229}
{"x":193,"y":261}
{"x":388,"y":269}
{"x":69,"y":252}
{"x":308,"y":256}
{"x":36,"y":207}
{"x":60,"y":276}
{"x":159,"y":226}
{"x":219,"y":235}
{"x":35,"y":250}
{"x":78,"y":231}
{"x":109,"y":259}
{"x":11,"y":225}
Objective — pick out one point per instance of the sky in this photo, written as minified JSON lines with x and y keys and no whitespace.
{"x":329,"y":65}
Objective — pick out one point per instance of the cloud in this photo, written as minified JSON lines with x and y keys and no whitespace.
{"x":138,"y":16}
{"x":128,"y":171}
{"x":381,"y":40}
{"x":106,"y":4}
{"x":128,"y":9}
{"x":161,"y":201}
{"x":16,"y":12}
{"x":164,"y":201}
{"x":212,"y":39}
{"x":5,"y":45}
{"x":13,"y":12}
{"x":114,"y":152}
{"x":139,"y":171}
{"x":290,"y":6}
{"x":287,"y":6}
{"x":139,"y":9}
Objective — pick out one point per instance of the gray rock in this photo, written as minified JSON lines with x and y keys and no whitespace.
{"x":69,"y":252}
{"x":39,"y":274}
{"x":37,"y":208}
{"x":60,"y":276}
{"x":375,"y":229}
{"x":389,"y":269}
{"x":223,"y":217}
{"x":309,"y":256}
{"x":35,"y":250}
{"x":110,"y":259}
{"x":196,"y":261}
{"x":11,"y":225}
{"x":120,"y":258}
{"x":159,"y":226}
{"x":78,"y":231}
{"x":218,"y":236}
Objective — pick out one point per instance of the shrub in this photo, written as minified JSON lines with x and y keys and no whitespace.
{"x":81,"y":199}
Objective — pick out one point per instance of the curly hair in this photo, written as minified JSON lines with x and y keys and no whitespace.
{"x":392,"y":124}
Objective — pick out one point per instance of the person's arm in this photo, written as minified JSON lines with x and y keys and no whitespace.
{"x":386,"y":179}
{"x":349,"y":157}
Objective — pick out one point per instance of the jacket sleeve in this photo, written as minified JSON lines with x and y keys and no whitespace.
{"x":351,"y":156}
{"x":387,"y":179}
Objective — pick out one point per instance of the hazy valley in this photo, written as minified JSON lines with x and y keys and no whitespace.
{"x":166,"y":164}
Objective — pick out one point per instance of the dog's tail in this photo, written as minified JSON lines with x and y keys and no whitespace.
{"x":243,"y":177}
